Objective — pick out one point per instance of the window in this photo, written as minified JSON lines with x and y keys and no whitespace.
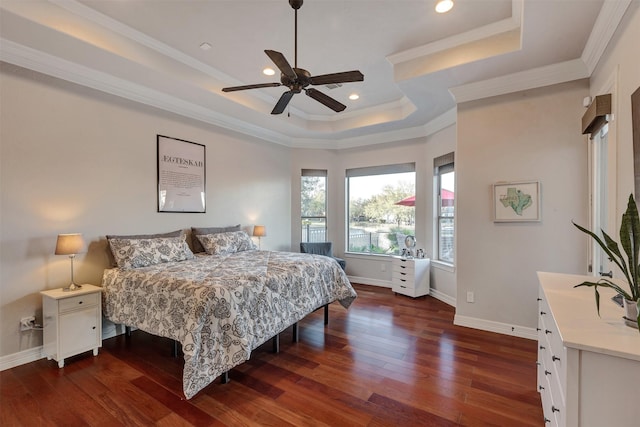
{"x":445,"y":185}
{"x":381,"y":208}
{"x":314,"y":205}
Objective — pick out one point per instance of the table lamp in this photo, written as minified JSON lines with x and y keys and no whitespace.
{"x":259,"y":231}
{"x":70,"y":244}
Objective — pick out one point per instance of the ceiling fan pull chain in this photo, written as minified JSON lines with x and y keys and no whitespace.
{"x":295,"y":42}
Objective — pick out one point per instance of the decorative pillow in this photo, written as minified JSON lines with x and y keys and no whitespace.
{"x":135,"y":253}
{"x":198,"y":231}
{"x":226,"y":243}
{"x":112,"y":260}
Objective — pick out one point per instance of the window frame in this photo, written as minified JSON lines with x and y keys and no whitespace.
{"x":315,"y":173}
{"x":366,"y":172}
{"x":443,"y":165}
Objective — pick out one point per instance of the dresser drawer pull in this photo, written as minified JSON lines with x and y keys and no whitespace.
{"x":555,"y":358}
{"x":542,"y":347}
{"x":80,"y":302}
{"x":554,"y":409}
{"x":546,"y":420}
{"x":546,"y":331}
{"x":542,"y":313}
{"x":540,"y":387}
{"x":539,"y":299}
{"x":547,"y":372}
{"x":538,"y":363}
{"x":404,"y":274}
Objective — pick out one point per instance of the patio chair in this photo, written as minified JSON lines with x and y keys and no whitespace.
{"x":321,"y":248}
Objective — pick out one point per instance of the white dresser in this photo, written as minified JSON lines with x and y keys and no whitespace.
{"x":588,"y":366}
{"x":410,"y":276}
{"x":72,"y":322}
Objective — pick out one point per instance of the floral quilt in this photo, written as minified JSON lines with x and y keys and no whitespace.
{"x":221,"y":307}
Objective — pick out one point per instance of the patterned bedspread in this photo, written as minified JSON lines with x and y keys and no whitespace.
{"x":220,"y":307}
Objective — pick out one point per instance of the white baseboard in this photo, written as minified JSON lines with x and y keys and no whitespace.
{"x":21,"y":358}
{"x":491,"y":326}
{"x":370,"y":282}
{"x":447,"y":299}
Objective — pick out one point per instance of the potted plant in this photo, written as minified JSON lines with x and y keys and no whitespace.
{"x":630,"y":241}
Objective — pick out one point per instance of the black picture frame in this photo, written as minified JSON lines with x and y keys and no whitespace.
{"x":181,"y":167}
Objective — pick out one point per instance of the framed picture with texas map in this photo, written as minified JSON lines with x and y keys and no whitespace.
{"x":516,"y":201}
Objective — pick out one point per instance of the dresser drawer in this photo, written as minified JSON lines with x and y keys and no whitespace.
{"x":79,"y":301}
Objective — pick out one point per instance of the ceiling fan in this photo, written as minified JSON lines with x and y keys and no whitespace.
{"x":297,"y":79}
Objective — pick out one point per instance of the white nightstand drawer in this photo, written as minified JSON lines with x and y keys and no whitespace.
{"x":79,"y":301}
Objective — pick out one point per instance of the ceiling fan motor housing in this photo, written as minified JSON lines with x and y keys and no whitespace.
{"x":296,"y":4}
{"x":299,"y":83}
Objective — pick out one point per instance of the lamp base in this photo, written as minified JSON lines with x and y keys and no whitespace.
{"x":72,"y":287}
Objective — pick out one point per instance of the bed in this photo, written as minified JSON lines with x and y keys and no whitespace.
{"x":219,"y":306}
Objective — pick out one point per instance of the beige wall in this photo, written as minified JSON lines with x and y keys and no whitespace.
{"x":369,"y":269}
{"x":531,"y":135}
{"x":76,"y":160}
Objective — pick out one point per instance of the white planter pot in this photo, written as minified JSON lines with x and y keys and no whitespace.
{"x":630,"y":313}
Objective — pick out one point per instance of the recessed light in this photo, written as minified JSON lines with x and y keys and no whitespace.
{"x":444,"y":6}
{"x":268,"y":71}
{"x":205,"y":46}
{"x":354,"y":96}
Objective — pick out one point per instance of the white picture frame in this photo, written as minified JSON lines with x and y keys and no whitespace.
{"x":516,"y":201}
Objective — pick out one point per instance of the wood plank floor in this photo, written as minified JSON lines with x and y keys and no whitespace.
{"x":387,"y":361}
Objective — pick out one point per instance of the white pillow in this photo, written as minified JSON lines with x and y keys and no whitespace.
{"x":135,"y":253}
{"x":226,"y":243}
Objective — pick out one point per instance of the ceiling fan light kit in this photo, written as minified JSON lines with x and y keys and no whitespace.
{"x":297,"y":79}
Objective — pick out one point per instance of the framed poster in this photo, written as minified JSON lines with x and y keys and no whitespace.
{"x":516,"y":201}
{"x":181,"y":175}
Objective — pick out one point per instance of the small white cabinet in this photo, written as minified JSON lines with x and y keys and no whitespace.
{"x":410,"y":276}
{"x":72,"y":322}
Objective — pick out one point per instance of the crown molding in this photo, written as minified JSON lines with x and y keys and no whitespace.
{"x":499,"y":27}
{"x":441,"y":122}
{"x":529,"y":79}
{"x":604,"y":28}
{"x":45,"y":63}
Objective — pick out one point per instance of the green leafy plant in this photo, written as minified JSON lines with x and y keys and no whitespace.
{"x":630,"y":241}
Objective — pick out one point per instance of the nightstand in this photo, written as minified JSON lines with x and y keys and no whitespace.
{"x":72,"y":322}
{"x":410,"y":276}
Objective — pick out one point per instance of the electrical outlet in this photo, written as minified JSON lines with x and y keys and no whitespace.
{"x":27,"y":323}
{"x":470,"y":296}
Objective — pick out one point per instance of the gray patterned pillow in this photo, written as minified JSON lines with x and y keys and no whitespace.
{"x":135,"y":253}
{"x":226,"y":243}
{"x":198,"y":231}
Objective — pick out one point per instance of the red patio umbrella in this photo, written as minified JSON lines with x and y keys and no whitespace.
{"x":409,"y":201}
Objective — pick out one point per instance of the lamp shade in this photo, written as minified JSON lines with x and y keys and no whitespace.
{"x":259,"y":230}
{"x":69,"y":244}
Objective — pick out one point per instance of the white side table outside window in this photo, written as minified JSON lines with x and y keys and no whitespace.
{"x":72,"y":322}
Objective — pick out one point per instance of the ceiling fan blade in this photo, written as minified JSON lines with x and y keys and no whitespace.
{"x":283,"y":102}
{"x":344,"y":77}
{"x":282,"y":63}
{"x":257,"y":86}
{"x":325,"y":99}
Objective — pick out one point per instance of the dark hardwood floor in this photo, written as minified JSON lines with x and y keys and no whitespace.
{"x":387,"y":361}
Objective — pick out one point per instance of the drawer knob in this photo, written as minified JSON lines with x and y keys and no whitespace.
{"x":546,"y":331}
{"x":542,"y":313}
{"x":93,"y":327}
{"x":540,"y":387}
{"x":539,"y":299}
{"x":546,"y":420}
{"x":554,"y":409}
{"x":79,"y":302}
{"x":547,"y":372}
{"x":538,"y":363}
{"x":538,"y":329}
{"x":555,"y":358}
{"x":542,"y":347}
